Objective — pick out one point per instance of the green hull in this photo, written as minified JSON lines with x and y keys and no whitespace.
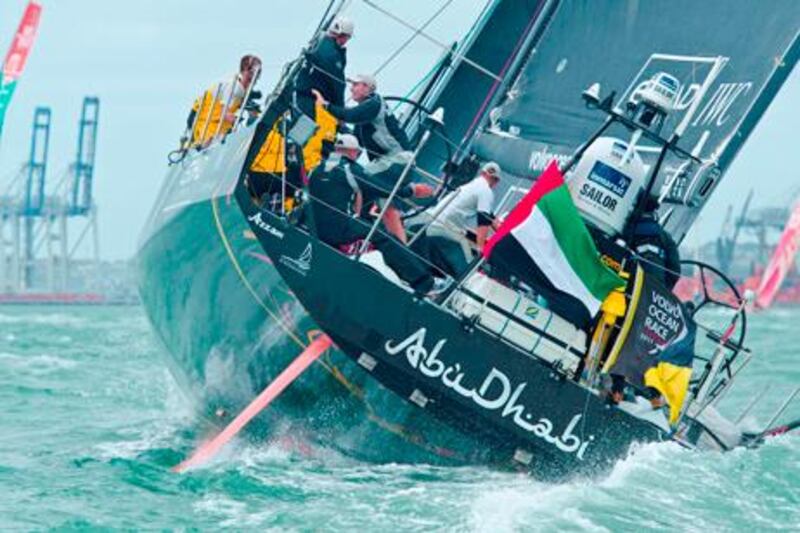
{"x":230,"y":325}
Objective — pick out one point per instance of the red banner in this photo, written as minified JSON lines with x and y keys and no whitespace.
{"x":22,"y":43}
{"x":781,"y":260}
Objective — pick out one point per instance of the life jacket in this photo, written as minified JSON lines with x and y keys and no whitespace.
{"x":270,"y":158}
{"x":383,"y":134}
{"x":208,"y":111}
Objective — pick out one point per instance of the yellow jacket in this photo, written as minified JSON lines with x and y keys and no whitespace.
{"x":270,"y":157}
{"x":208,"y":111}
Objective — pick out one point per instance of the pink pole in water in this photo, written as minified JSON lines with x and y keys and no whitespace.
{"x":210,"y":448}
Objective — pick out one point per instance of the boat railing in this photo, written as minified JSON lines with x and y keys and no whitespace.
{"x":298,"y":215}
{"x":518,"y":319}
{"x":220,"y":112}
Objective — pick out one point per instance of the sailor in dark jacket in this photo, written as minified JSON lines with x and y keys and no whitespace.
{"x":324,"y":71}
{"x":379,"y":132}
{"x":376,"y":128}
{"x":337,"y":189}
{"x":655,"y":246}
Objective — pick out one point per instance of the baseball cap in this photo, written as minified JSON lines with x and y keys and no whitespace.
{"x":347,"y":141}
{"x":366,"y":79}
{"x":491,"y":168}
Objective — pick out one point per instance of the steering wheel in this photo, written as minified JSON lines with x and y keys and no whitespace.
{"x":415,"y":118}
{"x":728,"y":297}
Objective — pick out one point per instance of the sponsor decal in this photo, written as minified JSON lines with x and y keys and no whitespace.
{"x":716,"y":110}
{"x":611,"y":263}
{"x":598,"y":196}
{"x":539,"y":159}
{"x":266,"y":227}
{"x":301,"y":264}
{"x":610,"y":178}
{"x":664,"y":318}
{"x":495,"y":393}
{"x":659,"y":321}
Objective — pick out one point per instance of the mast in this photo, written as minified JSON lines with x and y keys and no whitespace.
{"x":725,"y":85}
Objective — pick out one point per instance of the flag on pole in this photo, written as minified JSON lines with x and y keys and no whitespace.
{"x":545,"y":243}
{"x":17,"y":55}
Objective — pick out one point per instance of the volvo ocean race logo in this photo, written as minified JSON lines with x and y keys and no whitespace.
{"x":260,"y":223}
{"x":495,"y":393}
{"x":301,"y":264}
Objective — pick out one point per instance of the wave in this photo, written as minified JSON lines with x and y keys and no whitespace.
{"x":36,"y":364}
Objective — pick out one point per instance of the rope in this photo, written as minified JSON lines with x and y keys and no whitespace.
{"x":437,"y":42}
{"x":408,"y":41}
{"x":498,"y":81}
{"x":245,"y":281}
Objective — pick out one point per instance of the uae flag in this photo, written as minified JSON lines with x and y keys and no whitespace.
{"x":544,"y":243}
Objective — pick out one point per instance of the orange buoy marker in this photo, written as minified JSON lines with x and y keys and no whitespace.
{"x":210,"y":448}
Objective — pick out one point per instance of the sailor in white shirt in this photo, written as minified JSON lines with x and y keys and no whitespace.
{"x":467,"y":208}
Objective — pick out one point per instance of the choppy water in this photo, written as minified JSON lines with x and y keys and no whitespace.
{"x":90,"y":423}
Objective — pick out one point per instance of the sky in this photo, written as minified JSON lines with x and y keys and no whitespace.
{"x":148,"y":59}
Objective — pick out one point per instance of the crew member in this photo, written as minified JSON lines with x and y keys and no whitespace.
{"x":379,"y":132}
{"x":468,"y":208}
{"x":376,"y":128}
{"x":337,"y":188}
{"x":655,"y":246}
{"x":204,"y":118}
{"x":325,"y":66}
{"x":323,"y":72}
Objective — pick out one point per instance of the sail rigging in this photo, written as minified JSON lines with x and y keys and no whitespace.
{"x":725,"y":85}
{"x":498,"y":41}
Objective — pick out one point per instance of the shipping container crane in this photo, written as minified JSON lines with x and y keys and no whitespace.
{"x":73,"y":200}
{"x":35,"y":226}
{"x":34,"y":188}
{"x":80,"y":203}
{"x":729,"y":236}
{"x":22,"y":204}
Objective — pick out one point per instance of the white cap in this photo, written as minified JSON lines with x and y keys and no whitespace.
{"x":347,"y":141}
{"x":491,"y":168}
{"x":341,"y":26}
{"x":366,"y":79}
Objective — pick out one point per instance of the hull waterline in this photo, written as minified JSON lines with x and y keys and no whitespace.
{"x":229,"y":325}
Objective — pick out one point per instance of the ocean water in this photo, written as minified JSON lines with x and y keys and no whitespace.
{"x":90,"y":422}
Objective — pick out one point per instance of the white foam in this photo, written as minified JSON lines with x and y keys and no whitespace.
{"x":531,"y":505}
{"x":52,"y":319}
{"x":36,"y":364}
{"x":641,"y":458}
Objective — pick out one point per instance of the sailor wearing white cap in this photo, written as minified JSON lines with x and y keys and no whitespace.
{"x":376,"y":127}
{"x":467,"y":208}
{"x":337,"y":189}
{"x":341,"y":27}
{"x":323,"y":72}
